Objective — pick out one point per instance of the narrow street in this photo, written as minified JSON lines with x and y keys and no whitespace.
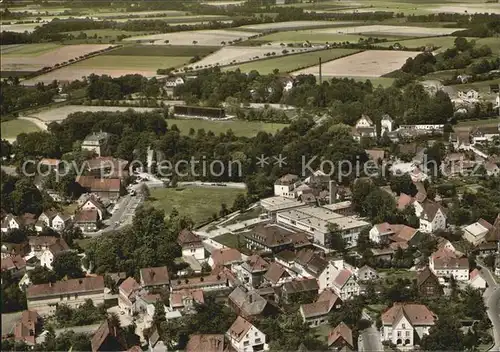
{"x":492,"y":301}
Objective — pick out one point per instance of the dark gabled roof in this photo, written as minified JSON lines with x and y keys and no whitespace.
{"x":424,"y":275}
{"x":188,"y":238}
{"x":270,"y":236}
{"x":297,"y":286}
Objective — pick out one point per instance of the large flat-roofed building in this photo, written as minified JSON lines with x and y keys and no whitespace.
{"x":316,"y":220}
{"x":277,"y":203}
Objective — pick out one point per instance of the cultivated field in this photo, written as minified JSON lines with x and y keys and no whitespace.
{"x":27,"y":49}
{"x":196,"y":202}
{"x":163,"y":50}
{"x":59,"y":114}
{"x":239,"y":128}
{"x":384,"y":30}
{"x":111,"y":65}
{"x":20,"y":28}
{"x":483,"y":87}
{"x":238,"y":54}
{"x":262,"y":27}
{"x":373,"y":63}
{"x":202,"y":37}
{"x":10,"y":129}
{"x":32,"y":57}
{"x":442,"y":42}
{"x":469,"y":8}
{"x":313,"y":36}
{"x":291,"y":63}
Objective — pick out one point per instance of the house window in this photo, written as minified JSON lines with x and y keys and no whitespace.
{"x":257,"y":340}
{"x":246,"y":343}
{"x":399,"y":333}
{"x":404,"y":326}
{"x":407,"y":334}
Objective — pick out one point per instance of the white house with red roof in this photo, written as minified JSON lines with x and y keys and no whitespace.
{"x":224,"y":257}
{"x":316,"y":314}
{"x":404,"y":323}
{"x":191,"y":244}
{"x":432,"y":216}
{"x":345,"y":285}
{"x":477,"y":280}
{"x":128,"y":291}
{"x":445,"y":263}
{"x":245,"y":337}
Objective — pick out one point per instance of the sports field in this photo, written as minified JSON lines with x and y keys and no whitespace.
{"x":199,"y":203}
{"x":10,"y":129}
{"x":292,"y":62}
{"x":239,"y":128}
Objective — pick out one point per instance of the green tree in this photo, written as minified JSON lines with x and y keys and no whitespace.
{"x":445,"y":335}
{"x":240,"y":202}
{"x":42,"y":275}
{"x":68,"y":264}
{"x":334,"y":238}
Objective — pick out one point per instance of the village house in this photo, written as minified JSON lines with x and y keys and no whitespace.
{"x":470,"y":95}
{"x":27,"y":328}
{"x":39,"y":244}
{"x":345,"y":285}
{"x":340,"y":338}
{"x":252,"y":271}
{"x":128,"y":290}
{"x":12,"y":249}
{"x":74,"y":292}
{"x":386,"y":233}
{"x":481,"y":134}
{"x":364,"y":127}
{"x":317,"y":313}
{"x":87,"y":220}
{"x":460,"y":140}
{"x":476,"y":233}
{"x":403,"y":324}
{"x":53,"y":250}
{"x":386,"y":124}
{"x":191,"y":244}
{"x":15,"y":264}
{"x":92,"y":203}
{"x":107,"y":167}
{"x":154,"y":278}
{"x":295,"y":288}
{"x":156,"y":344}
{"x":50,"y":164}
{"x":428,"y":284}
{"x":173,"y":82}
{"x":184,"y":300}
{"x":108,"y":338}
{"x":205,"y":343}
{"x":276,"y":275}
{"x":224,"y":257}
{"x":249,"y":304}
{"x":105,"y":188}
{"x":11,"y":222}
{"x":432,"y":216}
{"x":145,"y":303}
{"x":96,"y":142}
{"x":477,"y":280}
{"x":367,"y":273}
{"x":223,"y":280}
{"x":285,"y":186}
{"x":268,"y":238}
{"x":245,"y":337}
{"x":445,"y":263}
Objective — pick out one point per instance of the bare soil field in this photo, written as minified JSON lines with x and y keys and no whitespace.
{"x":239,"y":54}
{"x":293,"y":25}
{"x":373,"y":63}
{"x":59,"y":114}
{"x":203,"y":37}
{"x":24,"y":62}
{"x":403,"y":31}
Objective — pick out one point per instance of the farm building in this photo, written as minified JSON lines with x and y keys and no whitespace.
{"x":199,"y":111}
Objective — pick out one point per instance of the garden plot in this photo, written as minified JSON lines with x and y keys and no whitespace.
{"x":203,"y":37}
{"x":384,"y":30}
{"x":373,"y":63}
{"x":59,"y":114}
{"x":25,"y":59}
{"x":293,"y":25}
{"x":239,"y":54}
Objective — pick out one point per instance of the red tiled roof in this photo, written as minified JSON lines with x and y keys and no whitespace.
{"x":50,"y":162}
{"x":25,"y":328}
{"x":188,"y":238}
{"x":225,"y":256}
{"x":445,"y":258}
{"x":177,"y":297}
{"x":86,"y":284}
{"x":404,"y":200}
{"x":205,"y":343}
{"x":155,"y":276}
{"x":13,"y":262}
{"x":86,"y":216}
{"x":417,"y":314}
{"x":342,"y":277}
{"x":129,"y":286}
{"x":340,"y":331}
{"x":239,"y":328}
{"x":95,"y":184}
{"x":275,"y":273}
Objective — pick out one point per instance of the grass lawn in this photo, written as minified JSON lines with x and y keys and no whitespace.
{"x":107,"y":33}
{"x":239,"y":128}
{"x":322,"y":332}
{"x":199,"y":203}
{"x":441,"y":42}
{"x":441,"y":75}
{"x":292,"y":62}
{"x":29,"y":49}
{"x":12,"y":128}
{"x":84,"y":242}
{"x":393,"y":274}
{"x":125,"y":62}
{"x":493,"y":43}
{"x":231,"y":240}
{"x":163,"y":50}
{"x":482,"y":87}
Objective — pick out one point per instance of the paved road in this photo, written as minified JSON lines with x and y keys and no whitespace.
{"x":492,"y":302}
{"x":369,"y":340}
